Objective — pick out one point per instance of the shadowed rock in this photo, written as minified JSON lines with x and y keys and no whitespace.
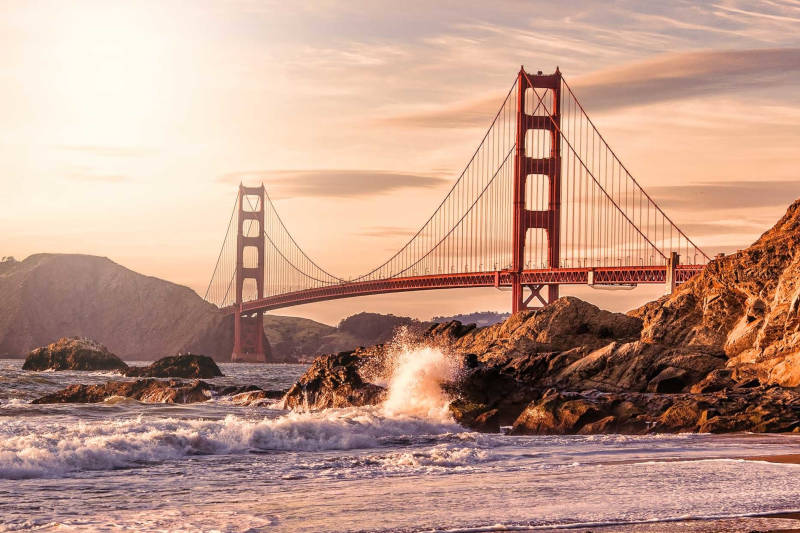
{"x":73,"y":353}
{"x":178,"y":366}
{"x":151,"y":391}
{"x":333,"y":381}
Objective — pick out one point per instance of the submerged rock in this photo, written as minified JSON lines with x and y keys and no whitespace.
{"x":178,"y":366}
{"x":148,"y":390}
{"x":73,"y":353}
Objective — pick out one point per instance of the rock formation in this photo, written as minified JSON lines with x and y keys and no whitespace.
{"x":158,"y":391}
{"x":178,"y":366}
{"x":744,"y":307}
{"x":334,"y":381}
{"x":73,"y":353}
{"x":722,"y":353}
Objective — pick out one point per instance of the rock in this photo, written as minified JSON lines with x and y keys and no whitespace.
{"x":669,"y":380}
{"x":257,"y":398}
{"x":147,"y":390}
{"x":745,"y":306}
{"x":73,"y":353}
{"x":178,"y":366}
{"x":565,"y":324}
{"x":716,"y":380}
{"x":333,"y":381}
{"x":556,"y":413}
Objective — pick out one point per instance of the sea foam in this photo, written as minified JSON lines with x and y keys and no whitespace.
{"x":415,"y":406}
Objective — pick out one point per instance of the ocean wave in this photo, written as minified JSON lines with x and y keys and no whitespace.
{"x":30,"y":452}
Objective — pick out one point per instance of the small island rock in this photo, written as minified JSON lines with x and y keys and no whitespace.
{"x":178,"y":366}
{"x":73,"y":353}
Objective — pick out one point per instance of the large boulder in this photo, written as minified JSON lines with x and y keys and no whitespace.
{"x":563,"y":325}
{"x":73,"y":353}
{"x":147,"y":390}
{"x":178,"y":366}
{"x":333,"y":381}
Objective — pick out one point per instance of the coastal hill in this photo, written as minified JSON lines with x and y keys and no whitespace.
{"x":49,"y":296}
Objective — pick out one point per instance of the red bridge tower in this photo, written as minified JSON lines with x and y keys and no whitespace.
{"x":524,"y":166}
{"x":248,"y":340}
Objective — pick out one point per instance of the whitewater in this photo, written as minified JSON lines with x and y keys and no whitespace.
{"x":401,"y":466}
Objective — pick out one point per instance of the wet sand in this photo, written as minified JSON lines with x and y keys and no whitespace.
{"x":769,"y":523}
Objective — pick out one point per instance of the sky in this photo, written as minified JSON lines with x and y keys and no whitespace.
{"x":125,"y":127}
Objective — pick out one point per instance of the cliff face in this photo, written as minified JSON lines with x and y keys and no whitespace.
{"x":48,"y":296}
{"x":745,"y":307}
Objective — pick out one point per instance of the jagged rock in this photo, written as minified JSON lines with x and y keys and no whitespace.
{"x":178,"y":366}
{"x":147,"y":390}
{"x":73,"y":353}
{"x":565,"y":324}
{"x":745,"y":306}
{"x":716,"y":380}
{"x":557,"y":413}
{"x":257,"y":397}
{"x":764,"y":409}
{"x":333,"y":381}
{"x":669,"y":380}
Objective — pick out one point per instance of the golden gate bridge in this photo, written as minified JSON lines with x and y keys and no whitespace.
{"x":544,"y":201}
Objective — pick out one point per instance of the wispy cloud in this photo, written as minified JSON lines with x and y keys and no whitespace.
{"x":684,"y":75}
{"x":662,"y":78}
{"x":334,"y":183}
{"x":726,"y":195}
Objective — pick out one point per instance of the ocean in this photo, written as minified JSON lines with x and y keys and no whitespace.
{"x":122,"y":465}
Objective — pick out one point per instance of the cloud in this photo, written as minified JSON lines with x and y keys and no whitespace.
{"x":469,"y":114}
{"x":726,"y":195}
{"x":662,"y":78}
{"x":334,"y":183}
{"x":684,"y":75}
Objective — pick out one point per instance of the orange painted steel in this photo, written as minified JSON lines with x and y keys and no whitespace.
{"x":564,"y":276}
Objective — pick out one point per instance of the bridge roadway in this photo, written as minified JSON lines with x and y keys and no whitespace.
{"x":601,"y":276}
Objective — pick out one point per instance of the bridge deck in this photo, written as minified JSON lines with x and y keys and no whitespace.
{"x":623,"y":275}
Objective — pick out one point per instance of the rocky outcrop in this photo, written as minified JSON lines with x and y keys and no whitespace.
{"x":157,"y":391}
{"x":759,"y":409}
{"x":178,"y":366}
{"x":744,"y":307}
{"x":722,"y":353}
{"x":334,"y":381}
{"x":566,"y":324}
{"x":73,"y":353}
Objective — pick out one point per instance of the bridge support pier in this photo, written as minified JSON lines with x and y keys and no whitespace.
{"x":525,"y":165}
{"x":248,"y":329}
{"x":671,"y":278}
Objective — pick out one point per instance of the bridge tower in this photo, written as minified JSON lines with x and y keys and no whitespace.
{"x":525,"y":166}
{"x":248,"y":340}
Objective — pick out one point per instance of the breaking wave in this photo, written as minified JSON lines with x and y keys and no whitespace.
{"x":415,"y":407}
